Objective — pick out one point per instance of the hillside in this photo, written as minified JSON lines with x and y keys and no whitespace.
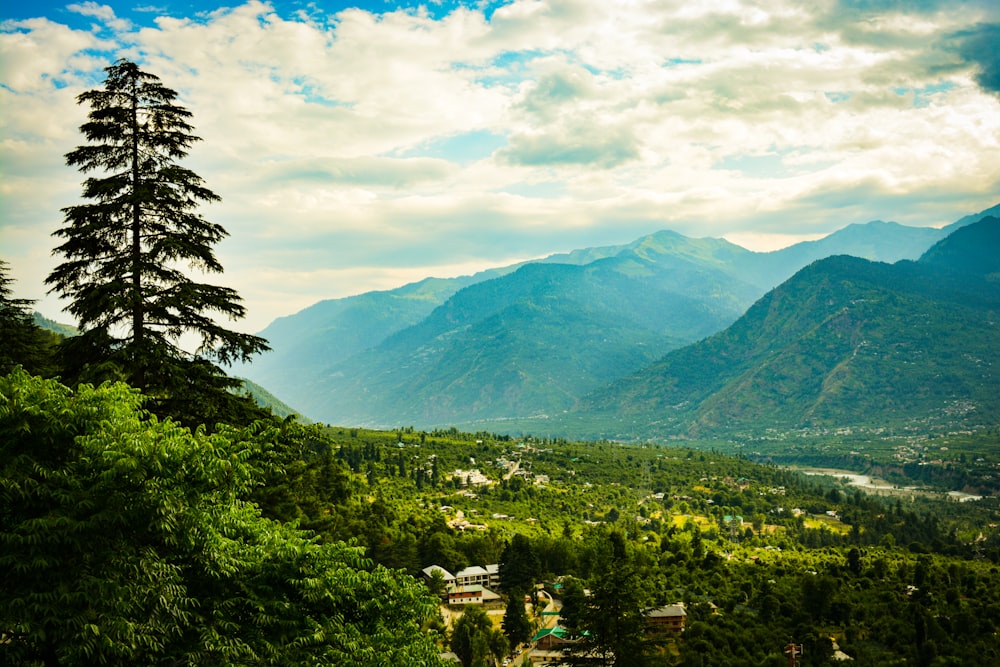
{"x":266,"y":399}
{"x":844,"y":343}
{"x":330,"y":331}
{"x":525,"y":341}
{"x":972,"y":249}
{"x":532,"y":341}
{"x":53,"y":326}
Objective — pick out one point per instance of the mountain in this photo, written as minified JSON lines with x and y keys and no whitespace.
{"x":330,"y":331}
{"x":532,"y":338}
{"x":266,"y":399}
{"x":972,"y":249}
{"x":45,"y":323}
{"x":993,"y":211}
{"x":845,"y":342}
{"x":537,"y":339}
{"x":877,"y":240}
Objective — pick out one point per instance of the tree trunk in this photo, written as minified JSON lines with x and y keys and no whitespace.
{"x":138,"y":316}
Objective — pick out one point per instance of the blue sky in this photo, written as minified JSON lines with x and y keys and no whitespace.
{"x":360,"y":146}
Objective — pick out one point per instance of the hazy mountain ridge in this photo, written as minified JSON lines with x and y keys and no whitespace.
{"x":55,"y":327}
{"x":844,"y":342}
{"x":534,"y":338}
{"x":970,"y":249}
{"x":502,"y":347}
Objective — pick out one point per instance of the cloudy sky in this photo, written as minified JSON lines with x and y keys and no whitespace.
{"x":360,"y":146}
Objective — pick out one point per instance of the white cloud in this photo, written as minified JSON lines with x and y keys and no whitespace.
{"x":354,"y":149}
{"x":104,"y":14}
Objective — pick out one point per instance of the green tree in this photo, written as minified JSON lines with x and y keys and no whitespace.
{"x":435,"y":583}
{"x":516,"y":625}
{"x":519,"y":566}
{"x":615,"y":618}
{"x":474,"y":640}
{"x":126,"y":248}
{"x":125,"y":540}
{"x":24,"y":343}
{"x":574,"y":602}
{"x":697,"y":548}
{"x":854,"y":561}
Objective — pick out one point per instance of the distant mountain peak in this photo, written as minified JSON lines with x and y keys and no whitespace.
{"x":845,"y":342}
{"x":535,"y":337}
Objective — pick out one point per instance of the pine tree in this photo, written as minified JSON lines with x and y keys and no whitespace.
{"x":126,"y":250}
{"x":519,"y":566}
{"x":22,"y":342}
{"x":474,"y":639}
{"x":615,"y":617}
{"x":516,"y":625}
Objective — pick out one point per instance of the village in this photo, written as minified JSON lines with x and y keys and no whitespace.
{"x":551,"y":643}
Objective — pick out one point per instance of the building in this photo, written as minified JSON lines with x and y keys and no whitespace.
{"x":472,"y":594}
{"x":484,"y":576}
{"x":447,"y":576}
{"x":469,"y":586}
{"x":548,"y":639}
{"x":668,"y":619}
{"x":465,"y":594}
{"x":471,"y":477}
{"x":556,"y":646}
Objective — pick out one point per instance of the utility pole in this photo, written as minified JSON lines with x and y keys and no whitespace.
{"x":794,"y":653}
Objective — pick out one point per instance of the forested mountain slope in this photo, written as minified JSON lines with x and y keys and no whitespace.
{"x":524,"y":340}
{"x":534,"y":340}
{"x":845,"y":342}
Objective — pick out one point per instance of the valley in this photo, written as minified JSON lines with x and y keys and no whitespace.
{"x":662,"y":338}
{"x":756,"y":553}
{"x":822,"y":470}
{"x":837,"y":439}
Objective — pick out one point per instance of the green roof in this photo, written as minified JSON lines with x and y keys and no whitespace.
{"x":558,"y":631}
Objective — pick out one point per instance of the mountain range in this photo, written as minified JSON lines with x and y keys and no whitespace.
{"x":602,"y":336}
{"x":845,"y":342}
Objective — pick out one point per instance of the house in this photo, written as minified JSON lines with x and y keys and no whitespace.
{"x":472,"y":594}
{"x":548,"y":639}
{"x":446,"y":576}
{"x":556,"y":646}
{"x":488,"y":575}
{"x":471,"y":477}
{"x":465,"y":594}
{"x":472,"y":576}
{"x":668,"y":619}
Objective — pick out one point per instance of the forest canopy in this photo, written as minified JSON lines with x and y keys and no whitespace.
{"x":126,"y":539}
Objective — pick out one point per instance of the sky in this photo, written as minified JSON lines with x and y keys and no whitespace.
{"x":362,"y":146}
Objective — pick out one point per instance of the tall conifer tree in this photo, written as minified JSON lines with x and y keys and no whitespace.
{"x":22,"y":343}
{"x":126,"y":251}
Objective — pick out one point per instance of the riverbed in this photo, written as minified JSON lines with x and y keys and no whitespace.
{"x":874,"y":485}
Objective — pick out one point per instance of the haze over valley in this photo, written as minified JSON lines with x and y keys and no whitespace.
{"x":547,"y":346}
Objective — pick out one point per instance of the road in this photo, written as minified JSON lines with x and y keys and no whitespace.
{"x":547,"y":621}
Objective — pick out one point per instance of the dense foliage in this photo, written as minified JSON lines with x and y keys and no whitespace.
{"x":129,"y":540}
{"x":24,"y":343}
{"x":758,"y":554}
